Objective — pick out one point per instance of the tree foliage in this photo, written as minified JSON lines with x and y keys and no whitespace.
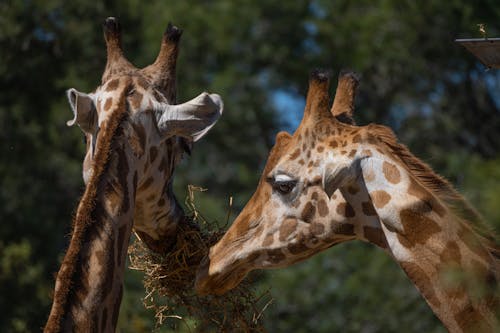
{"x":257,"y":55}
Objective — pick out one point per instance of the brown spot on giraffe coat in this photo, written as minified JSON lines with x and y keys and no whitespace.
{"x":345,"y":209}
{"x":308,"y":212}
{"x":112,"y":85}
{"x":316,"y":228}
{"x":343,"y":229}
{"x":295,"y":154}
{"x":417,"y":190}
{"x":375,"y":236}
{"x":322,"y":208}
{"x":107,"y":104}
{"x":275,"y":256}
{"x":288,"y":226}
{"x":418,"y":228}
{"x":153,"y":152}
{"x":391,"y":173}
{"x":268,"y":240}
{"x":380,"y":198}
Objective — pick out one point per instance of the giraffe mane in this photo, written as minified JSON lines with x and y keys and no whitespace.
{"x":83,"y":218}
{"x":438,"y":185}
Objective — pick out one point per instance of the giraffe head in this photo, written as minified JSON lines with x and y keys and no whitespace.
{"x":155,"y":130}
{"x":296,"y":210}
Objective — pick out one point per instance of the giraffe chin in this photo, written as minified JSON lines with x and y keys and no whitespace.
{"x":217,"y":283}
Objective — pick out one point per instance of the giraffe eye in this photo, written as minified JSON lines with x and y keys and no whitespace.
{"x":284,"y":187}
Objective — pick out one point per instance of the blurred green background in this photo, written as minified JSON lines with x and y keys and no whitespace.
{"x":257,"y":54}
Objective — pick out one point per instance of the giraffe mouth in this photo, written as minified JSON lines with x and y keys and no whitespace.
{"x":217,"y":283}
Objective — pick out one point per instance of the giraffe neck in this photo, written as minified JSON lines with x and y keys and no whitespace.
{"x":89,"y":284}
{"x":439,"y":251}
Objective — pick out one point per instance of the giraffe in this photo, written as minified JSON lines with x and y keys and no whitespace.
{"x":135,"y":135}
{"x":333,"y":181}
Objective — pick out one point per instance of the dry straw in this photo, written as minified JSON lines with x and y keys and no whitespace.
{"x":169,"y":282}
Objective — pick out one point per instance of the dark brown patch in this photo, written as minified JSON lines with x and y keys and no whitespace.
{"x":288,"y":226}
{"x":375,"y":236}
{"x":333,"y":144}
{"x":322,"y":208}
{"x":163,"y":164}
{"x":426,"y":197}
{"x":107,"y":104}
{"x":153,"y":152}
{"x":308,"y":212}
{"x":391,"y":173}
{"x":370,"y":138}
{"x":295,"y":154}
{"x":353,"y":189}
{"x":343,"y":229}
{"x":275,"y":256}
{"x":298,"y":247}
{"x":146,"y":184}
{"x":321,"y":149}
{"x":314,"y":196}
{"x":343,"y":152}
{"x":368,"y":208}
{"x":161,"y":202}
{"x":420,"y":278}
{"x":345,"y":209}
{"x":302,"y":162}
{"x":352,"y":153}
{"x":112,"y":85}
{"x":316,"y":228}
{"x":380,"y":198}
{"x":141,"y":134}
{"x":418,"y":228}
{"x":356,"y":138}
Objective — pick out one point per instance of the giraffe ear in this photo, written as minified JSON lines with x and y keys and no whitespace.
{"x":335,"y":176}
{"x":84,"y":111}
{"x":191,"y":120}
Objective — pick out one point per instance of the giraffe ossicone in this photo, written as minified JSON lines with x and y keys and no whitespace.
{"x":135,"y":134}
{"x":332,"y":181}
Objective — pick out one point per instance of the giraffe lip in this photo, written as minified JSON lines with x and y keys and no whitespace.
{"x":218,"y":283}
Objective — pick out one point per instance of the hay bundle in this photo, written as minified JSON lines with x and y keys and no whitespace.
{"x":169,"y":282}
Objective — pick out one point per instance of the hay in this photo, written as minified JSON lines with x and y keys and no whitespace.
{"x":169,"y":282}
